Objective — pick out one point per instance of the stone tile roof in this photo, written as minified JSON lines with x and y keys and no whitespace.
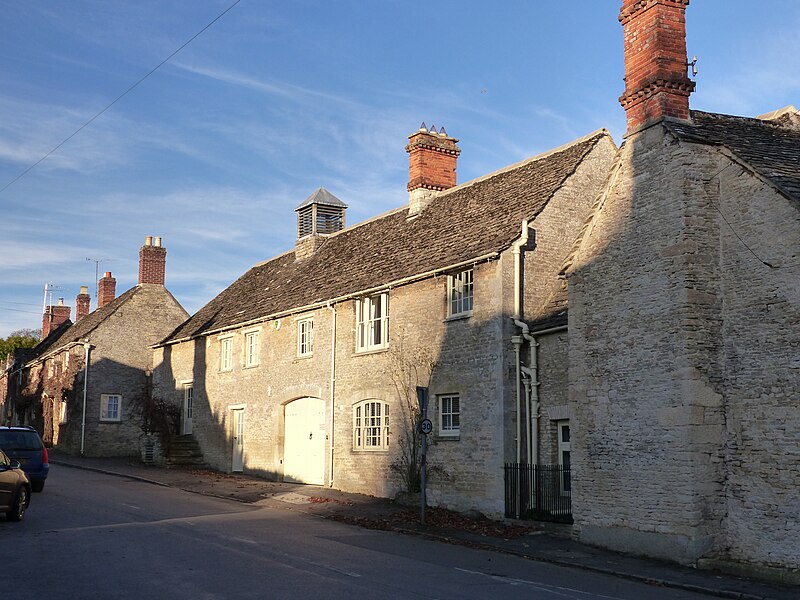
{"x":553,"y":313}
{"x":770,"y":144}
{"x":463,"y":223}
{"x":771,"y":147}
{"x":76,"y":332}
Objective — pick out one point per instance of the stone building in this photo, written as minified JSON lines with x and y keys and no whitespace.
{"x":684,"y":323}
{"x":305,"y":368}
{"x":50,"y":387}
{"x":670,"y":385}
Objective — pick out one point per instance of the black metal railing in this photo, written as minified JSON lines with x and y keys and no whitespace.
{"x":538,"y":492}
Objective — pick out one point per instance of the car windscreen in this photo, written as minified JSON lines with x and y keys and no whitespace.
{"x":20,"y":440}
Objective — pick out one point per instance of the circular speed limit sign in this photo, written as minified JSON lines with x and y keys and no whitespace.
{"x":426,"y":426}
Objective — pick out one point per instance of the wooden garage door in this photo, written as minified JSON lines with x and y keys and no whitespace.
{"x":304,"y":441}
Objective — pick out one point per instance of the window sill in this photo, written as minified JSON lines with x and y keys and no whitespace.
{"x":304,"y":356}
{"x":458,"y":317}
{"x":251,"y":366}
{"x":110,"y":421}
{"x":447,"y":437}
{"x":225,"y":371}
{"x":369,"y":451}
{"x":371,"y":351}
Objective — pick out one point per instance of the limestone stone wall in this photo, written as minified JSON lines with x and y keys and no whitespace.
{"x":554,"y":232}
{"x":120,"y":363}
{"x":647,"y":425}
{"x":683,"y":360}
{"x":468,"y":355}
{"x":760,"y":364}
{"x":553,"y":392}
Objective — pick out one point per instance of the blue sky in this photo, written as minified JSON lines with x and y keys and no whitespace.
{"x":215,"y":150}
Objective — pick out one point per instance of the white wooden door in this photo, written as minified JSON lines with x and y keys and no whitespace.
{"x":237,"y":462}
{"x":188,"y":408}
{"x":304,"y":441}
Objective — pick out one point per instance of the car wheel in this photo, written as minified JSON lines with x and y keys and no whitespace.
{"x":37,"y":486}
{"x":18,"y":508}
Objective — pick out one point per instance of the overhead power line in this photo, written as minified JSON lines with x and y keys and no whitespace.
{"x":6,"y":308}
{"x":117,"y":99}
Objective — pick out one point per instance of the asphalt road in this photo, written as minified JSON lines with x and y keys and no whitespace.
{"x":90,"y":535}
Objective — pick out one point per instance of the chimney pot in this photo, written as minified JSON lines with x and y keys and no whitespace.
{"x":106,"y":289}
{"x":157,"y":242}
{"x":82,"y":303}
{"x":152,"y":262}
{"x":148,"y":241}
{"x":54,"y":316}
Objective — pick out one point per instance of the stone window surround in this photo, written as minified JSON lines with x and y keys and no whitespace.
{"x":252,"y":351}
{"x":226,"y":352}
{"x":460,"y":294}
{"x":451,"y":431}
{"x":106,"y":415}
{"x":379,"y":422}
{"x":369,"y":326}
{"x":305,"y":337}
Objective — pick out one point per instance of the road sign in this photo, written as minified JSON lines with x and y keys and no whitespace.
{"x":422,"y":397}
{"x":426,"y":426}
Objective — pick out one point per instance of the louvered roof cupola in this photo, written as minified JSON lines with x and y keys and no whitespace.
{"x":321,"y":213}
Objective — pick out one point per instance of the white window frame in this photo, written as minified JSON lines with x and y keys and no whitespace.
{"x":564,"y":448}
{"x":226,"y":353}
{"x":371,"y":426}
{"x":252,"y":348}
{"x":106,"y":414}
{"x":449,"y":416}
{"x":62,"y":417}
{"x":188,"y":401}
{"x":305,"y":337}
{"x":460,"y":293}
{"x":372,"y":323}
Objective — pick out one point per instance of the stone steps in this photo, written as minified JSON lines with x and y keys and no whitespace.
{"x":183,"y":450}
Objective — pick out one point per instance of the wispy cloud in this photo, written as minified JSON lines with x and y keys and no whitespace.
{"x":294,"y":93}
{"x":770,"y":68}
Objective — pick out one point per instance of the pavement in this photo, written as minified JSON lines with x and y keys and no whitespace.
{"x":528,"y":540}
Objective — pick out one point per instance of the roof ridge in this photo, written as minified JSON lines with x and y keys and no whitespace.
{"x":598,"y":133}
{"x":767,"y":120}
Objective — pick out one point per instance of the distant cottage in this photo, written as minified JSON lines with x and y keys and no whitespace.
{"x":50,"y":386}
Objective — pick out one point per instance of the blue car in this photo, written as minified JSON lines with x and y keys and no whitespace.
{"x":24,"y":445}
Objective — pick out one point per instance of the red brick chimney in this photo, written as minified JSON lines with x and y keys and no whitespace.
{"x":82,"y":302}
{"x":106,"y":289}
{"x":54,"y":316}
{"x":152,"y":261}
{"x":656,"y":83}
{"x":432,"y":164}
